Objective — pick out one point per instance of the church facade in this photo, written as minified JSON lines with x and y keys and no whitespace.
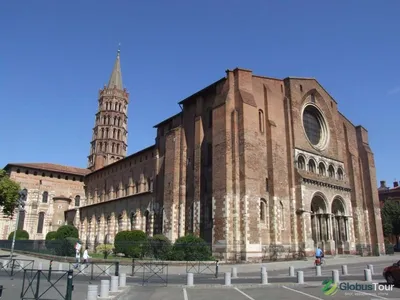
{"x":249,"y":162}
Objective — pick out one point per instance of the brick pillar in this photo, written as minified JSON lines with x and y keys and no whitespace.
{"x":198,"y":140}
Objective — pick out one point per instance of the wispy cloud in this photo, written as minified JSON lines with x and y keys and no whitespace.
{"x":394,"y":91}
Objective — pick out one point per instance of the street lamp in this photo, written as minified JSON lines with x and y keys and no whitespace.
{"x":20,"y":208}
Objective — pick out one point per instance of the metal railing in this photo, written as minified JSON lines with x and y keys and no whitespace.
{"x":37,"y":286}
{"x":13,"y":266}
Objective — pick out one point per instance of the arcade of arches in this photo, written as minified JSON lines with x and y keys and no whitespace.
{"x":101,"y":228}
{"x":330,"y":225}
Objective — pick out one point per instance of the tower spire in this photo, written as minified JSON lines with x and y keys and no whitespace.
{"x":116,"y":75}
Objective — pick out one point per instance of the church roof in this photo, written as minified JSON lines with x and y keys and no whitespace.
{"x":116,"y":75}
{"x":51,"y":167}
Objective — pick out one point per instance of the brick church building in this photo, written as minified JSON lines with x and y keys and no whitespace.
{"x":250,"y":161}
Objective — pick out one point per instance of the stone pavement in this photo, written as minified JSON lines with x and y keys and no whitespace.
{"x":283,"y":292}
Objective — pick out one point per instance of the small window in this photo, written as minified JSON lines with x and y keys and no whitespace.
{"x":45,"y":197}
{"x":43,"y":175}
{"x":51,"y":175}
{"x":331,"y":171}
{"x":77,"y":200}
{"x":312,"y":98}
{"x":59,"y":177}
{"x":35,"y":173}
{"x":321,"y":169}
{"x":40,"y":222}
{"x":340,"y":174}
{"x":18,"y":170}
{"x":59,"y":222}
{"x":311,"y":166}
{"x":301,"y":163}
{"x":263,"y":209}
{"x":261,"y":120}
{"x":266,"y":185}
{"x":301,"y":88}
{"x":26,"y":172}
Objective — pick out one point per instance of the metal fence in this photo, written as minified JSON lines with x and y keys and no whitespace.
{"x":12,"y":266}
{"x":38,"y":285}
{"x":95,"y":270}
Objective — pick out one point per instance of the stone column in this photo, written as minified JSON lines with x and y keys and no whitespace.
{"x":307,"y":232}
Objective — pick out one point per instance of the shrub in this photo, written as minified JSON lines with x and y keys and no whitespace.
{"x":131,"y":243}
{"x":159,"y":246}
{"x":20,"y":235}
{"x":191,"y":248}
{"x":66,"y":231}
{"x":105,"y":249}
{"x":66,"y":247}
{"x":51,"y":235}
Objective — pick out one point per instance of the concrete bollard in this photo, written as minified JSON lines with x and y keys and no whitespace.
{"x":92,"y":292}
{"x":114,"y":284}
{"x":291,"y":271}
{"x":344,"y":270}
{"x":104,"y":288}
{"x":264,"y":277}
{"x":263,"y":270}
{"x":122,"y":280}
{"x":371,"y":267}
{"x":234,"y":272}
{"x":40,"y":267}
{"x":367,"y":275}
{"x":60,"y":267}
{"x":189,"y":279}
{"x":300,"y":277}
{"x":335,"y":276}
{"x":227,"y":278}
{"x":318,"y":271}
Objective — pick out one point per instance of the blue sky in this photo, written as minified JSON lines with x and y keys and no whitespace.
{"x":56,"y":55}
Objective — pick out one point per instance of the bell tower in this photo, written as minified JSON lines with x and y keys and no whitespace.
{"x":110,"y":134}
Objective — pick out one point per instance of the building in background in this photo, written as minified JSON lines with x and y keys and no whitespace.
{"x":389,"y":193}
{"x":250,"y":163}
{"x":51,"y":189}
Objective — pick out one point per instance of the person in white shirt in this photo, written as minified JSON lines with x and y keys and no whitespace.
{"x":86,"y":255}
{"x":78,"y":247}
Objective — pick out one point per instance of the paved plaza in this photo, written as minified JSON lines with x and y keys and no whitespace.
{"x":284,"y":292}
{"x":170,"y":282}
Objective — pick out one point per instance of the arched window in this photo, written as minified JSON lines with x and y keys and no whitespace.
{"x":40,"y":222}
{"x":109,"y":120}
{"x":107,"y":135}
{"x":45,"y":197}
{"x":114,"y":132}
{"x":301,"y":163}
{"x":104,"y":120}
{"x":117,"y":148}
{"x":77,"y":200}
{"x":119,"y":108}
{"x":311,"y":166}
{"x":340,"y":174}
{"x":331,"y":171}
{"x":263,"y":211}
{"x":118,"y":134}
{"x":115,"y":120}
{"x":105,"y":146}
{"x":113,"y":147}
{"x":101,"y":146}
{"x":261,"y":120}
{"x":102,"y":133}
{"x":321,"y":169}
{"x":282,"y":216}
{"x":119,"y":121}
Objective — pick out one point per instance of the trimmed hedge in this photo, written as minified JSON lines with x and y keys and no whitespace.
{"x":136,"y":244}
{"x":20,"y":235}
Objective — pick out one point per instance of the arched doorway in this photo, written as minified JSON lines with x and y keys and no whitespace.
{"x":319,"y":221}
{"x":339,"y":224}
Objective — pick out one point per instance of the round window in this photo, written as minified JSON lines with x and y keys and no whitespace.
{"x":314,"y":126}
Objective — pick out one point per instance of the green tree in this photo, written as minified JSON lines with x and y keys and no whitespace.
{"x":9,"y":193}
{"x":391,"y":218}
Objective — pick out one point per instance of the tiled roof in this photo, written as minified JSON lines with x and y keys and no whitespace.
{"x":52,"y":167}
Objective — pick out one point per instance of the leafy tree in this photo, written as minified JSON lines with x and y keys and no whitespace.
{"x":66,"y":231}
{"x":391,"y":218}
{"x":9,"y":193}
